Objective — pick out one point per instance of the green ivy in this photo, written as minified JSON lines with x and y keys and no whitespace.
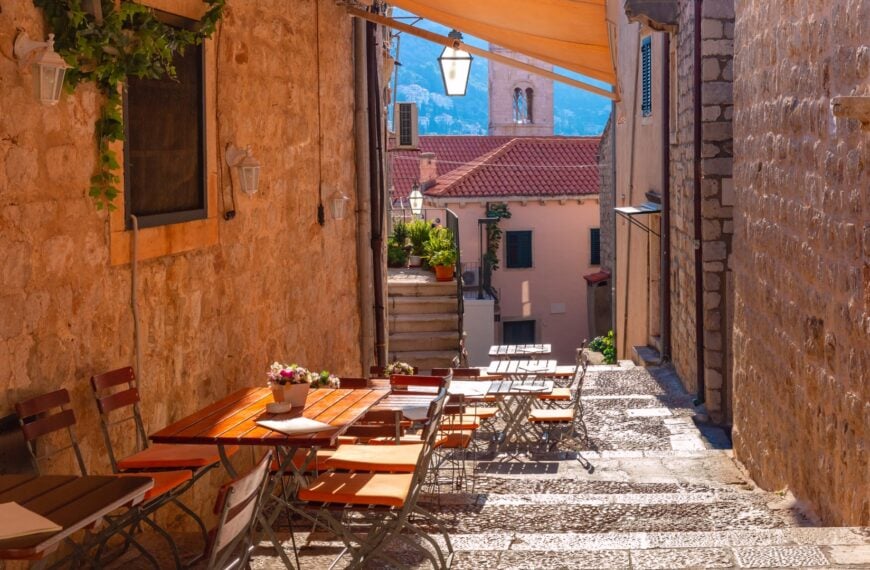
{"x":606,"y":345}
{"x":493,"y":233}
{"x":130,"y":41}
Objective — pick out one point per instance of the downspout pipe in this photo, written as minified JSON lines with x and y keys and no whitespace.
{"x":665,"y":231}
{"x":364,"y":264}
{"x":699,"y":252}
{"x":376,"y":190}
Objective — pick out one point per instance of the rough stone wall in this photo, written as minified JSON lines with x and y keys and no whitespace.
{"x":717,"y":200}
{"x":277,"y":286}
{"x":802,"y":254}
{"x":607,"y":197}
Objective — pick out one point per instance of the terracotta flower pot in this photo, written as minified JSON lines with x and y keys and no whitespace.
{"x":293,"y":394}
{"x":444,"y":272}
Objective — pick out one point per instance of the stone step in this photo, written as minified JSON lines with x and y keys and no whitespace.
{"x":424,"y":341}
{"x":425,"y":322}
{"x":423,"y":305}
{"x":412,"y":289}
{"x":646,"y":356}
{"x":425,"y":360}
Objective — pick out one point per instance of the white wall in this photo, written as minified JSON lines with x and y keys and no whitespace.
{"x":480,"y":330}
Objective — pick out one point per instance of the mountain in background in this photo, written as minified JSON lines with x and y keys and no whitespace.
{"x":577,"y":112}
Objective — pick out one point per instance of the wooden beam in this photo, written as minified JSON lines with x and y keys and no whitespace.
{"x":450,"y":42}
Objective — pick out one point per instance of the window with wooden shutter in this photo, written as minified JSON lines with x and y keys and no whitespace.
{"x":646,"y":70}
{"x":518,"y":249}
{"x":595,"y":246}
{"x":164,"y":152}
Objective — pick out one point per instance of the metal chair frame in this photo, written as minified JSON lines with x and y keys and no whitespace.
{"x":546,"y":428}
{"x":387,"y":523}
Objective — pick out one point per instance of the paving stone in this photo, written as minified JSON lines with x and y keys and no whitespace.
{"x":545,"y":560}
{"x":648,"y":413}
{"x":579,"y":541}
{"x":779,"y":556}
{"x":673,"y":558}
{"x":856,"y":554}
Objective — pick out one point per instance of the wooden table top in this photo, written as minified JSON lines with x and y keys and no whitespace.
{"x":231,"y":421}
{"x":514,"y":387}
{"x":498,"y":350}
{"x":69,"y":501}
{"x":522,"y":367}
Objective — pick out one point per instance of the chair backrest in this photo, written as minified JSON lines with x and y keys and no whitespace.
{"x":411,"y":383}
{"x":118,"y":402}
{"x":353,"y":383}
{"x":457,"y":372}
{"x":429,"y":436}
{"x":577,"y":381}
{"x":378,"y":423}
{"x":236,"y":506}
{"x":47,"y":414}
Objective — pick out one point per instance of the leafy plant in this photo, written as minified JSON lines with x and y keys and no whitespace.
{"x":418,"y":233}
{"x":441,"y":247}
{"x":396,"y":254}
{"x":445,"y":257}
{"x":130,"y":41}
{"x":400,"y":233}
{"x":493,"y":233}
{"x":606,"y":345}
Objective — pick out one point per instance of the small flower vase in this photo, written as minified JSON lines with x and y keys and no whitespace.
{"x":293,"y":394}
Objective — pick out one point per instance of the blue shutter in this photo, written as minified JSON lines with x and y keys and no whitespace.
{"x":646,"y":89}
{"x":595,"y":246}
{"x":518,"y":249}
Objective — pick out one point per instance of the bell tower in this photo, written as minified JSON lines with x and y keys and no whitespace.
{"x":520,"y":102}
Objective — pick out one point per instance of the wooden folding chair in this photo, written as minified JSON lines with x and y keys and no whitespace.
{"x":563,"y":415}
{"x":382,"y":504}
{"x":237,"y":504}
{"x":117,"y":399}
{"x":43,"y":415}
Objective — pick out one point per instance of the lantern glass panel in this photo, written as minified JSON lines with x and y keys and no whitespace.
{"x":249,"y":177}
{"x":455,"y":67}
{"x":50,"y":83}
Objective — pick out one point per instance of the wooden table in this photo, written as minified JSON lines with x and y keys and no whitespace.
{"x":232,"y":421}
{"x":69,"y":501}
{"x":510,"y":351}
{"x":521,"y":367}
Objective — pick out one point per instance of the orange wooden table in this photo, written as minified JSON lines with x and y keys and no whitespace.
{"x":232,"y":421}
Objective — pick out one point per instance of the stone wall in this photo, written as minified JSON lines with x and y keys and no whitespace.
{"x":607,"y":198}
{"x":276,"y":286}
{"x":802,"y":253}
{"x":717,"y":199}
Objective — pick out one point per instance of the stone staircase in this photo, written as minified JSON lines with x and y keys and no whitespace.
{"x":423,"y":319}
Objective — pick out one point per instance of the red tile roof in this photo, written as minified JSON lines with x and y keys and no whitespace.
{"x":527,"y":166}
{"x":481,"y":166}
{"x":451,"y":151}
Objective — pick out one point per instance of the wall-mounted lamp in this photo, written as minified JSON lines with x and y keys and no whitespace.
{"x":338,"y":203}
{"x":247,"y":167}
{"x":416,"y":200}
{"x":50,"y":68}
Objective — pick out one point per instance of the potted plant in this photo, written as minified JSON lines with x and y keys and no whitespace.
{"x":398,"y":367}
{"x":396,"y":255}
{"x":441,"y":253}
{"x":290,"y":384}
{"x":418,"y":234}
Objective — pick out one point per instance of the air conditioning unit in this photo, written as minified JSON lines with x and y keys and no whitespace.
{"x":405,"y":123}
{"x":469,"y":278}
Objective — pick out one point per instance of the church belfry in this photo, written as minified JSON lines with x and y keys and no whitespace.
{"x":520,"y":102}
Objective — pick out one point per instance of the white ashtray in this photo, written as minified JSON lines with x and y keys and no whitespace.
{"x":278,"y":407}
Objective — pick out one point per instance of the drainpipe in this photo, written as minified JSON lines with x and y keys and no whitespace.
{"x":363,"y":216}
{"x":699,"y":265}
{"x":376,"y":190}
{"x":665,"y":231}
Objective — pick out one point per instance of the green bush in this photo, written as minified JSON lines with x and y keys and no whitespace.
{"x":400,"y":233}
{"x":606,"y":345}
{"x":418,"y":233}
{"x":440,"y":249}
{"x":396,"y":254}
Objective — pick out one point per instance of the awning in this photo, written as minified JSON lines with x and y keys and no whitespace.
{"x":597,"y":277}
{"x":573,"y":34}
{"x":630,"y":212}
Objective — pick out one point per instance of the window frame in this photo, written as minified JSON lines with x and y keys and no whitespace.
{"x":646,"y":106}
{"x":179,"y":216}
{"x":505,"y":324}
{"x":531,"y":249}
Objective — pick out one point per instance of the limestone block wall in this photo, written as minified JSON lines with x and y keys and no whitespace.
{"x":717,"y":200}
{"x":802,"y":253}
{"x":276,"y":286}
{"x":607,"y":198}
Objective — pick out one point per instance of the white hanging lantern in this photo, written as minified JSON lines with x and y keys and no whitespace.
{"x":247,"y":167}
{"x":49,"y":68}
{"x":416,"y":200}
{"x":455,"y":66}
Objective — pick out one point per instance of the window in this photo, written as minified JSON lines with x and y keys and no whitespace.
{"x":646,"y":68}
{"x":521,"y":107}
{"x":530,"y":100}
{"x":518,"y":332}
{"x":518,"y":249}
{"x":595,"y":246}
{"x":164,"y":154}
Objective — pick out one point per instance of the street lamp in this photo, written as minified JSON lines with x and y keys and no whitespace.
{"x":416,"y":199}
{"x":455,"y":66}
{"x":49,"y":66}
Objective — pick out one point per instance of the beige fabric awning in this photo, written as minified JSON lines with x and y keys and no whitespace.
{"x":573,"y":34}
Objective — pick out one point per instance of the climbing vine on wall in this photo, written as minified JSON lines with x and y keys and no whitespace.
{"x":493,"y":233}
{"x":127,"y":40}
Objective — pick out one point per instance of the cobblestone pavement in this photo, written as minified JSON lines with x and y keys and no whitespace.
{"x":649,"y":490}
